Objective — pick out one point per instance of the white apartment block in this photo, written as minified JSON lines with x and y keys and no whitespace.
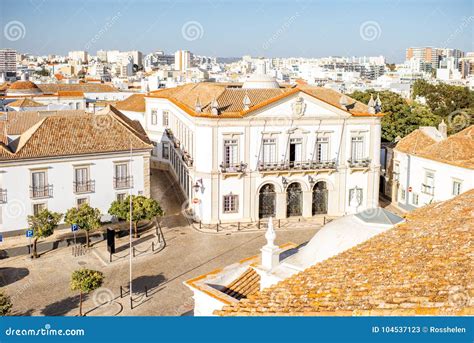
{"x":61,"y":161}
{"x":241,"y":153}
{"x":8,"y":62}
{"x":430,"y":167}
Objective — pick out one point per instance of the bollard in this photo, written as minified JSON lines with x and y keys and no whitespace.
{"x":259,"y":224}
{"x":324,"y":220}
{"x":152,"y":246}
{"x":133,"y":250}
{"x":217,"y":227}
{"x":238,"y":226}
{"x":279,"y":223}
{"x":121,"y":292}
{"x":110,"y":257}
{"x":146,"y":292}
{"x":131,"y":302}
{"x":200,"y":224}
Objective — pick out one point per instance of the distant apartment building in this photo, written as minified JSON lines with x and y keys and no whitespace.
{"x":8,"y":62}
{"x":182,"y":60}
{"x":80,"y":57}
{"x":426,"y":54}
{"x":428,"y":166}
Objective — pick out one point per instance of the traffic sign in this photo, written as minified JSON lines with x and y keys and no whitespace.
{"x":1,"y":238}
{"x":29,"y":233}
{"x":74,"y":227}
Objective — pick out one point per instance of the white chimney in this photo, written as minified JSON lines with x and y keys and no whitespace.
{"x":443,"y":129}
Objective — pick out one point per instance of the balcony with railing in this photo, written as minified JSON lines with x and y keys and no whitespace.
{"x":38,"y":192}
{"x":361,"y":163}
{"x":233,"y":168}
{"x":297,"y":166}
{"x":84,"y":186}
{"x":123,"y":182}
{"x":427,"y":189}
{"x":3,"y":196}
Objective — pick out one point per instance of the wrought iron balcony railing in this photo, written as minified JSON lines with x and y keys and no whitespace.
{"x":84,"y":186}
{"x":233,"y":167}
{"x":37,"y":192}
{"x":3,"y":196}
{"x":297,"y":165}
{"x":427,"y":189}
{"x":359,"y":163}
{"x":123,"y":182}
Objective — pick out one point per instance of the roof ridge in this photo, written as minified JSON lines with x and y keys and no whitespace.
{"x":120,"y":117}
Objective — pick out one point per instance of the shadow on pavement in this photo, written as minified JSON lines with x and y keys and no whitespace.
{"x":61,"y":307}
{"x":11,"y":275}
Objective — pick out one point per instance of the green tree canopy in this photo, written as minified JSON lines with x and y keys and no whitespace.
{"x":43,"y":225}
{"x":85,"y":281}
{"x":143,"y":208}
{"x":448,"y":102}
{"x":5,"y":304}
{"x":400,"y":118}
{"x":86,"y":217}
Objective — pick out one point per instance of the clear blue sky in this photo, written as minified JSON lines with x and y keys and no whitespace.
{"x":232,"y":28}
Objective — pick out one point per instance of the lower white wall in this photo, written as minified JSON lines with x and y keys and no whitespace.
{"x":16,"y":179}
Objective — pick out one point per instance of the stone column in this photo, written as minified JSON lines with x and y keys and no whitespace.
{"x":308,"y":203}
{"x":280,"y":205}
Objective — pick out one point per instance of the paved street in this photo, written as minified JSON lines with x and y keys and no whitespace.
{"x":41,"y":287}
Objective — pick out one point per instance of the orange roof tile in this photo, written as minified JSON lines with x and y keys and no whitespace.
{"x":230,"y":98}
{"x":420,"y":267}
{"x":134,"y":103}
{"x":54,"y":136}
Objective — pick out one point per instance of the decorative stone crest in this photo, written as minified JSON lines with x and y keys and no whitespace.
{"x":298,"y":107}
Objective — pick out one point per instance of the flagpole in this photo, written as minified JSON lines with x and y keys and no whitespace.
{"x":130,"y":253}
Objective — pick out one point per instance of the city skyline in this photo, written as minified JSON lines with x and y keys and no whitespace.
{"x":278,"y":29}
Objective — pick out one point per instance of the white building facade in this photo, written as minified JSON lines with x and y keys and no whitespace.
{"x":293,"y":154}
{"x":441,"y":169}
{"x":59,"y":175}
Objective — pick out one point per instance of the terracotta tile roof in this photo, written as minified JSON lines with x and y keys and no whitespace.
{"x":420,"y":267}
{"x":134,"y":103}
{"x":53,"y":88}
{"x":19,"y":122}
{"x":71,"y":94}
{"x":246,"y":284}
{"x":23,"y":85}
{"x":414,"y":142}
{"x":457,"y":149}
{"x":25,"y":103}
{"x":230,"y":98}
{"x":54,"y":136}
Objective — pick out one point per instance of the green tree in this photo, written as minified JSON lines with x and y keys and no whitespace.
{"x":86,"y":217}
{"x":143,"y":208}
{"x":400,"y":118}
{"x":85,"y":281}
{"x":43,"y":225}
{"x":443,"y":100}
{"x":5,"y":304}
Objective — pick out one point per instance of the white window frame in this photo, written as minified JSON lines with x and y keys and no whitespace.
{"x":33,"y":206}
{"x":165,"y":150}
{"x":230,"y":203}
{"x":231,"y":155}
{"x":320,"y":142}
{"x":456,"y":187}
{"x":166,"y":118}
{"x":154,"y":117}
{"x":357,"y":147}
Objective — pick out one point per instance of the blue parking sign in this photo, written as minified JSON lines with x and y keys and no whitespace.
{"x":29,"y":233}
{"x":74,"y":227}
{"x":1,"y":238}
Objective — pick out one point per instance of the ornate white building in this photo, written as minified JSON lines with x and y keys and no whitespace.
{"x":244,"y":152}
